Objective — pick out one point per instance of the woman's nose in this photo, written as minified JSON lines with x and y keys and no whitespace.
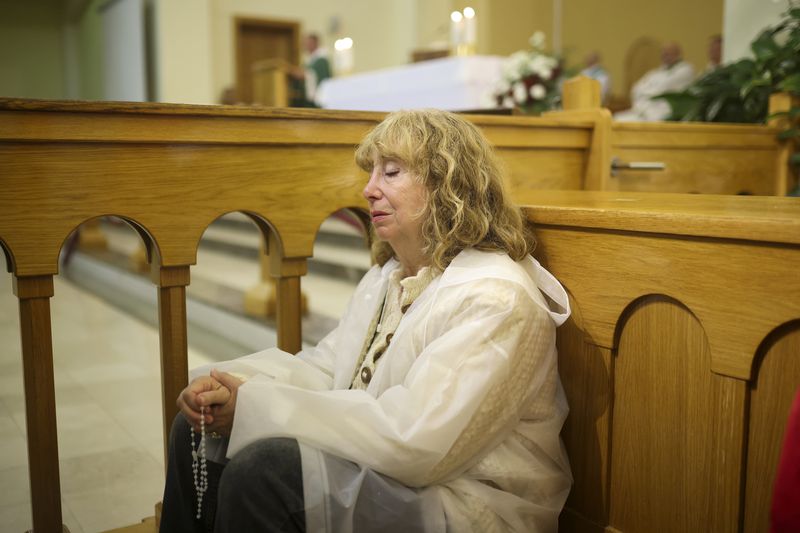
{"x":371,"y":189}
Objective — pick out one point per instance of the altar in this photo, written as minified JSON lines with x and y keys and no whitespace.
{"x":452,"y":83}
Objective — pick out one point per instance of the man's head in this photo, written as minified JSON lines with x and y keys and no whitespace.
{"x":591,"y":59}
{"x":311,"y":42}
{"x":670,"y":53}
{"x":715,"y":49}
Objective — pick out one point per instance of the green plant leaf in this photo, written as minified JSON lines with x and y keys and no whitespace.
{"x":764,"y":47}
{"x":681,"y":103}
{"x":794,"y":159}
{"x":712,"y":112}
{"x":791,"y":83}
{"x":788,"y":134}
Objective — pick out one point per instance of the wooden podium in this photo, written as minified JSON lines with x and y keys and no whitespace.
{"x":271,"y":82}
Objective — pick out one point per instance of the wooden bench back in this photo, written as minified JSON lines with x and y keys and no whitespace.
{"x":681,"y":358}
{"x":698,"y":158}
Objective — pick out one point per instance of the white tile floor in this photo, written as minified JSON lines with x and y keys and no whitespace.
{"x":108,"y":408}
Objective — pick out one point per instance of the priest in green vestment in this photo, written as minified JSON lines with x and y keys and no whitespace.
{"x":316,"y":70}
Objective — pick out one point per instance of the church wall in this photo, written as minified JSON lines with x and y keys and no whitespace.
{"x":31,"y":55}
{"x":433,"y":22}
{"x":44,"y":56}
{"x":183,"y":44}
{"x":512,"y":22}
{"x":744,"y":19}
{"x":384,"y":31}
{"x":87,"y":35}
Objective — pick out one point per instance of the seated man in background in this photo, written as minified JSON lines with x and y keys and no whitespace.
{"x":594,"y":69}
{"x":674,"y":74}
{"x":714,"y":54}
{"x":435,"y":406}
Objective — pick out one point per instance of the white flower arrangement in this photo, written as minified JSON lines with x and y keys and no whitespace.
{"x":530,"y":79}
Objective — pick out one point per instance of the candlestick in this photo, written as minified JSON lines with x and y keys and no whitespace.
{"x":343,"y":55}
{"x":457,"y":32}
{"x":470,"y":30}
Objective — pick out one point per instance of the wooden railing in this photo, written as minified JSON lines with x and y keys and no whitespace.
{"x":170,"y":171}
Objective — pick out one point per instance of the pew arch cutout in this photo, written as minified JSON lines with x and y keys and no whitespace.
{"x":776,"y":379}
{"x":9,"y":257}
{"x":662,"y":378}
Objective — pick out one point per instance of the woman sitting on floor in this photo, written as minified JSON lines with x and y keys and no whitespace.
{"x":435,"y":405}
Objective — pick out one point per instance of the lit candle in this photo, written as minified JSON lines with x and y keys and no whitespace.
{"x":471,"y":31}
{"x":343,"y":57}
{"x":456,"y":29}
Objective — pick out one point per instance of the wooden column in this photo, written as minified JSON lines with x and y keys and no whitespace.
{"x":581,"y":92}
{"x":581,"y":101}
{"x":34,"y":294}
{"x":290,"y":337}
{"x":287,"y":272}
{"x":172,"y":282}
{"x":779,"y":102}
{"x":259,"y":300}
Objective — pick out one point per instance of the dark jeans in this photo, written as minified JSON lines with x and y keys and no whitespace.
{"x":259,"y":489}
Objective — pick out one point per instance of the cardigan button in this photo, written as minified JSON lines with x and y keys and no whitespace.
{"x":389,"y":338}
{"x":366,"y":374}
{"x":405,"y":308}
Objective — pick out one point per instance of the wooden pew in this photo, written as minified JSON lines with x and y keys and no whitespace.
{"x":579,"y":147}
{"x":681,"y":358}
{"x":698,"y":157}
{"x":169,"y":171}
{"x":66,"y":163}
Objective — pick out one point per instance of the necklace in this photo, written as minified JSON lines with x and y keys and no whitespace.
{"x":199,"y":462}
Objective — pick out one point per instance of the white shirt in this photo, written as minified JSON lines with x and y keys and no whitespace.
{"x":660,"y":80}
{"x":466,"y":400}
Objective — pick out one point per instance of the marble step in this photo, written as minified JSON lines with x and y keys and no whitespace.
{"x":340,"y":249}
{"x":217,"y":322}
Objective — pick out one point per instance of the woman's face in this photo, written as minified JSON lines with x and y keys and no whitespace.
{"x":396,"y":198}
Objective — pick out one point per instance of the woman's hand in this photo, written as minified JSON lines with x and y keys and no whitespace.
{"x":189,"y":401}
{"x":222,"y":413}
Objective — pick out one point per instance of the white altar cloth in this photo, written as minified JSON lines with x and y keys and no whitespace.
{"x":452,"y":83}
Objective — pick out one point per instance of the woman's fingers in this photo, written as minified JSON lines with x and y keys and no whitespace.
{"x":228,"y":381}
{"x":213,"y":397}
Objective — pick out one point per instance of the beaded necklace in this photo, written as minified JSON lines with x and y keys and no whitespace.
{"x":199,"y":462}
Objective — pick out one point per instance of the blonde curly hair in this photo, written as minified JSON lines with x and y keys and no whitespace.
{"x":468,"y":206}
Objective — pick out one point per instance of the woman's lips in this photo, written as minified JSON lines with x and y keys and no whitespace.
{"x":377,"y":216}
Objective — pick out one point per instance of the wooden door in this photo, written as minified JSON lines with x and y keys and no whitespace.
{"x":259,"y":39}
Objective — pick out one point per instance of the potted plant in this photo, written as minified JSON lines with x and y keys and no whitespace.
{"x":740,"y":91}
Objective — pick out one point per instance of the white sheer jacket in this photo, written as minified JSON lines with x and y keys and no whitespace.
{"x":466,"y":404}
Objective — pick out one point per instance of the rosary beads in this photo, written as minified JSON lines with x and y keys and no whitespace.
{"x":199,"y":462}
